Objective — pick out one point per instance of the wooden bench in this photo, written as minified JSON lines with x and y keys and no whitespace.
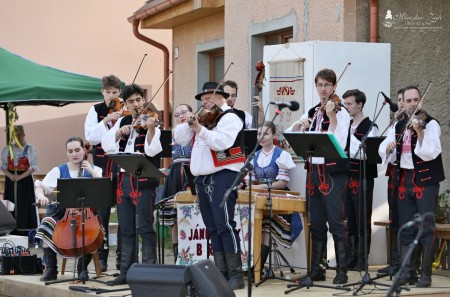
{"x":442,"y":232}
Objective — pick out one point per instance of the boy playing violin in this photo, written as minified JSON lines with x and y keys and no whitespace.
{"x":98,"y":122}
{"x":326,"y":179}
{"x":123,"y":137}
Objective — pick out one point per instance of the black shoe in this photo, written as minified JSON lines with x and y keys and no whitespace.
{"x":103,"y":265}
{"x":120,"y":280}
{"x":51,"y":268}
{"x":234,"y":268}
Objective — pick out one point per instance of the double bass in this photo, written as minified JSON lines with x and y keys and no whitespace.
{"x":68,"y":233}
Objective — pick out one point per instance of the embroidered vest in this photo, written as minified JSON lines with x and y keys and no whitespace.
{"x":271,"y":170}
{"x":144,"y":183}
{"x":234,"y":154}
{"x":332,"y":165}
{"x":427,"y":172}
{"x":356,"y":164}
{"x":22,"y":163}
{"x":64,"y":171}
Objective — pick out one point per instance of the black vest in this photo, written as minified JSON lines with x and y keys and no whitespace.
{"x":239,"y":141}
{"x":144,"y":183}
{"x":427,"y":172}
{"x":98,"y":154}
{"x":332,"y":165}
{"x":356,"y":164}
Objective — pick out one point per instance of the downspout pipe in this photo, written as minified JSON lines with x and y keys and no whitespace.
{"x":164,"y":49}
{"x":373,"y":20}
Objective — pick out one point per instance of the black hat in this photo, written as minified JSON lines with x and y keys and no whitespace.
{"x":209,"y":87}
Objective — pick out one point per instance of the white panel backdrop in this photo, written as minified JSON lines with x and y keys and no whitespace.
{"x":369,"y":72}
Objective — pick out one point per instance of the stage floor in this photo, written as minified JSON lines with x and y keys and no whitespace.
{"x":26,"y":285}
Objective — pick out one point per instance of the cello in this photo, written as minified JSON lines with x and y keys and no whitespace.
{"x":68,"y":233}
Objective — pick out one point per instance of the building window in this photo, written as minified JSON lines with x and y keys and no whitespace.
{"x":216,"y":65}
{"x":280,"y":37}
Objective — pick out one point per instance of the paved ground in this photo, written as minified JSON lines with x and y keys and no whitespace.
{"x":21,"y":286}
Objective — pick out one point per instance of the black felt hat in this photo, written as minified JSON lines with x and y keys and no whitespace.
{"x":209,"y":87}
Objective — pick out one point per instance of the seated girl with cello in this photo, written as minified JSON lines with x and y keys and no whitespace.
{"x":271,"y":168}
{"x":77,"y":166}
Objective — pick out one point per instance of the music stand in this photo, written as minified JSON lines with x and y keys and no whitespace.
{"x":137,"y":165}
{"x":250,"y":140}
{"x":372,"y":145}
{"x":166,"y":143}
{"x":308,"y":145}
{"x":82,"y":193}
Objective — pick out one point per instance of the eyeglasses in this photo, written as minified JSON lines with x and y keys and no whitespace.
{"x":178,"y":114}
{"x":327,"y":85}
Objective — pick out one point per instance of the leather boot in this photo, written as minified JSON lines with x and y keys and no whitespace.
{"x":317,"y":273}
{"x":352,"y":251}
{"x":87,"y":260}
{"x":425,"y":278}
{"x":127,"y":257}
{"x":221,"y":263}
{"x":361,"y":264}
{"x":148,"y":253}
{"x":51,"y":268}
{"x":340,"y":249}
{"x":408,"y":275}
{"x":394,"y":266}
{"x":234,"y":265}
{"x":175,"y":253}
{"x":265,"y":250}
{"x":103,"y":253}
{"x":416,"y":259}
{"x":119,"y":248}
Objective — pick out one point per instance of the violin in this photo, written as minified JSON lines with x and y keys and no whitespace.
{"x":144,"y":115}
{"x":208,"y":119}
{"x":422,"y":117}
{"x":117,"y":105}
{"x":337,"y":103}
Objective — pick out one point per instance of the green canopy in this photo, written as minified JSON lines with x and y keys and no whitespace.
{"x":23,"y":82}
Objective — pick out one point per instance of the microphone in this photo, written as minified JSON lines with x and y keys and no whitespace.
{"x":392,"y":105}
{"x":418,"y":219}
{"x":293,"y":105}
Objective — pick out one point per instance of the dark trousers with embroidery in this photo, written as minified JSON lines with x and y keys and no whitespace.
{"x":141,"y":206}
{"x":354,"y":207}
{"x":415,"y":199}
{"x":219,"y":221}
{"x":393,"y":199}
{"x":325,"y":195}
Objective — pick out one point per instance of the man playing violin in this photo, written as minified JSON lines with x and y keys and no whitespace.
{"x":327,"y":179}
{"x":416,"y":149}
{"x":123,"y":137}
{"x":392,"y":194}
{"x":99,"y":120}
{"x":216,"y":159}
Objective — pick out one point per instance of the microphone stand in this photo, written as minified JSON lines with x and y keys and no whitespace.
{"x":366,"y":279}
{"x":247,"y":168}
{"x":395,"y":287}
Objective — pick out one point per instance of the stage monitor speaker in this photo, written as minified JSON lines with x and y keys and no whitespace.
{"x":7,"y":221}
{"x":204,"y":280}
{"x":153,"y":280}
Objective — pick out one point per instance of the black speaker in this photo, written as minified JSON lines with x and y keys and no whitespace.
{"x":204,"y":280}
{"x":152,"y":280}
{"x":7,"y":221}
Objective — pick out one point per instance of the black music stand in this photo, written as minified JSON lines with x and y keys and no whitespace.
{"x":372,"y":145}
{"x":308,"y":145}
{"x":82,"y":193}
{"x":250,"y":140}
{"x":137,"y":165}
